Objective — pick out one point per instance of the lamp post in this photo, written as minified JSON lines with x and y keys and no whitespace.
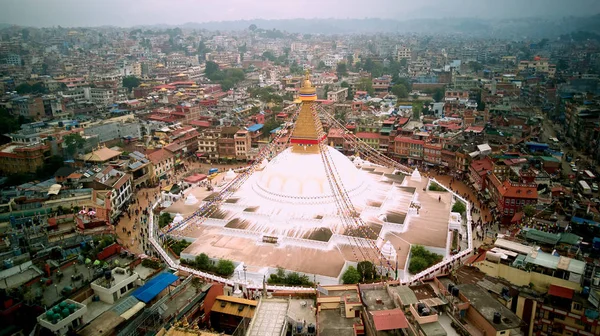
{"x":245,"y":269}
{"x":56,"y":289}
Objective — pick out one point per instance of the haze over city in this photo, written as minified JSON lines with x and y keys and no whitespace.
{"x":299,"y":167}
{"x":74,"y":13}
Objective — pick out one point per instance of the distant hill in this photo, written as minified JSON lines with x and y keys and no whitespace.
{"x":504,"y":28}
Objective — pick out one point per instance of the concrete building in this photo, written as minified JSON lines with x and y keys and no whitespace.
{"x":243,"y":143}
{"x":338,"y":96}
{"x":403,"y":52}
{"x":114,"y":284}
{"x":64,"y":317}
{"x":119,"y":185}
{"x":163,"y":162}
{"x":107,"y":130}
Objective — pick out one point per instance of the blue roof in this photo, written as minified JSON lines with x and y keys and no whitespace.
{"x":579,"y":220}
{"x":276,"y":130}
{"x":153,"y":287}
{"x":536,"y":144}
{"x":255,"y":127}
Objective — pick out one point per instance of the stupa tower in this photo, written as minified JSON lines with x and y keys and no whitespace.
{"x":308,"y":132}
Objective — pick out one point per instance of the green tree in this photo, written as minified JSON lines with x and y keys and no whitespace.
{"x":351,"y":276}
{"x":400,"y":91}
{"x":74,"y":142}
{"x":417,"y":108}
{"x":438,"y":94}
{"x":529,"y":211}
{"x":365,"y":84}
{"x":421,"y":258}
{"x":131,"y":82}
{"x":252,"y":27}
{"x":203,"y":262}
{"x":164,"y":219}
{"x":326,"y":89}
{"x":267,"y":55}
{"x":341,"y":70}
{"x":270,"y":125}
{"x":211,"y":68}
{"x":366,"y":270}
{"x":243,"y":49}
{"x":225,"y":267}
{"x":227,"y":84}
{"x":459,"y":207}
{"x":417,"y":264}
{"x":321,"y":65}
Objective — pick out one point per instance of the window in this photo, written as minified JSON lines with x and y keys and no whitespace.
{"x":123,"y":290}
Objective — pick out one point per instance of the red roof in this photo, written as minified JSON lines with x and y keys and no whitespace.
{"x":404,"y":139}
{"x":367,"y":135}
{"x":200,"y":123}
{"x":195,"y":178}
{"x":389,"y":319}
{"x":562,"y":292}
{"x":402,"y":121}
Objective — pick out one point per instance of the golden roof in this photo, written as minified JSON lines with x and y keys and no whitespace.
{"x":308,"y":130}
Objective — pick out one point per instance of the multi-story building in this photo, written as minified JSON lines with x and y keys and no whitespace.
{"x":243,"y":143}
{"x":163,"y":162}
{"x":207,"y":144}
{"x":510,"y":197}
{"x":119,"y":185}
{"x":432,"y":152}
{"x":226,"y":143}
{"x":28,"y":107}
{"x":17,"y":158}
{"x":338,"y":96}
{"x":408,"y":148}
{"x":478,"y":171}
{"x":403,"y":52}
{"x":538,"y":65}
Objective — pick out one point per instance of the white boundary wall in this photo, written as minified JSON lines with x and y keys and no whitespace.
{"x":426,"y":274}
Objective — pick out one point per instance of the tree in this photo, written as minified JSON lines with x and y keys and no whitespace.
{"x":267,"y":55}
{"x":73,"y":142}
{"x":341,"y":70}
{"x":321,"y":65}
{"x":365,"y":84}
{"x":417,"y":108}
{"x":252,"y":27}
{"x":529,"y":211}
{"x":421,"y":259}
{"x":243,"y":49}
{"x":326,"y":89}
{"x":403,"y":63}
{"x":366,"y":270}
{"x":459,"y":207}
{"x":351,"y":276}
{"x":203,"y":262}
{"x":164,"y":219}
{"x":438,"y":94}
{"x":270,"y":125}
{"x":131,"y":82}
{"x":227,"y":85}
{"x":225,"y":267}
{"x":400,"y":91}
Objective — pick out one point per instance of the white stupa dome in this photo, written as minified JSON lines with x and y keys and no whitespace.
{"x":230,"y":175}
{"x":415,"y":176}
{"x":388,"y":251}
{"x":178,"y":218}
{"x":191,"y":200}
{"x":297,"y":175}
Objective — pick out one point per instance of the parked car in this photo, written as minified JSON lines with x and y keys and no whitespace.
{"x":595,"y":187}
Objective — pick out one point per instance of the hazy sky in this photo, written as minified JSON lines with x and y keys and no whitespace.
{"x":69,"y":13}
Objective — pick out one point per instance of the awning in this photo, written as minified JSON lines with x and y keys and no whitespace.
{"x":153,"y":287}
{"x":168,"y":188}
{"x":200,"y":154}
{"x":561,"y":292}
{"x":54,"y":189}
{"x":134,"y":310}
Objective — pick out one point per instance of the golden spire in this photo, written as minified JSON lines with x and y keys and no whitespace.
{"x":307,"y":131}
